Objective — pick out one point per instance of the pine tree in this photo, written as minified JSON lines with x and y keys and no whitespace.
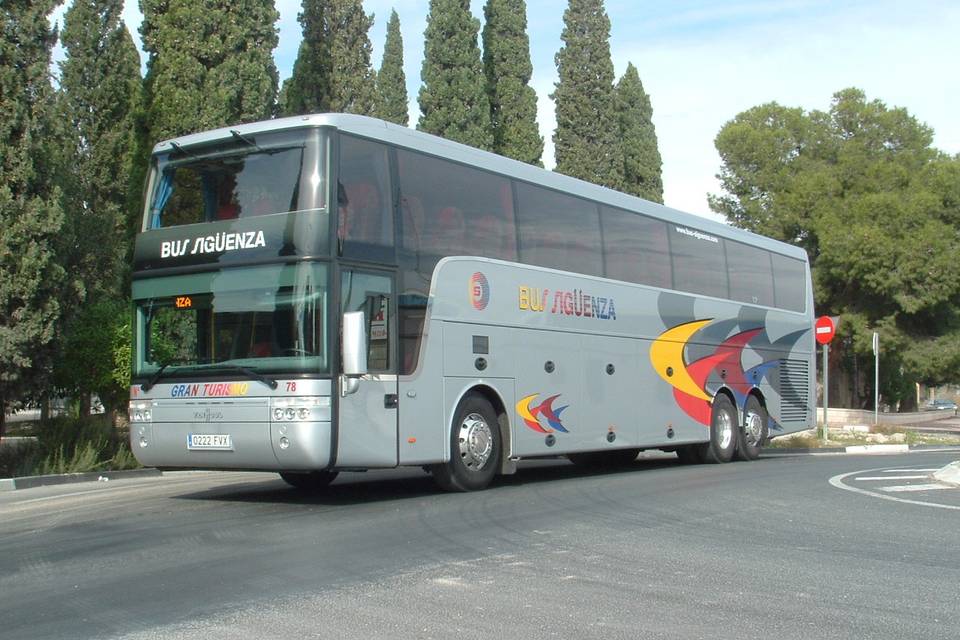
{"x":587,"y":138}
{"x":210,"y":63}
{"x":332,"y":71}
{"x":30,"y":211}
{"x":453,"y":102}
{"x":391,"y":81}
{"x":641,"y":157}
{"x":507,"y":67}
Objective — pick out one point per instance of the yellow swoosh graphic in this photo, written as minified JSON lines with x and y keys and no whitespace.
{"x":667,"y":351}
{"x":523,"y":410}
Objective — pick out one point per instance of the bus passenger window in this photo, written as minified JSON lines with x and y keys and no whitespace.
{"x":227,"y":207}
{"x":366,"y":216}
{"x":450,"y":230}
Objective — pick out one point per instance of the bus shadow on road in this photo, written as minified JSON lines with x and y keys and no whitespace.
{"x":406,"y":484}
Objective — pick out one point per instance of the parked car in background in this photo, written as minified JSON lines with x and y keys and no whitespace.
{"x":941,"y":405}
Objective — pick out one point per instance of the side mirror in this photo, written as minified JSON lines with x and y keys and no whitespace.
{"x":354,"y":344}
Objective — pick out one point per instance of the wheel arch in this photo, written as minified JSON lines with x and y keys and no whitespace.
{"x":758,"y":394}
{"x":726,"y":391}
{"x":491,"y":395}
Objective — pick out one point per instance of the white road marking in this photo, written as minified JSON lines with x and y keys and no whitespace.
{"x":923,"y":477}
{"x":837,"y":481}
{"x":914,"y":487}
{"x":907,"y":470}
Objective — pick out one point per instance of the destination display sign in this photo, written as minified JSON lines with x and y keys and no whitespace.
{"x":298,"y":234}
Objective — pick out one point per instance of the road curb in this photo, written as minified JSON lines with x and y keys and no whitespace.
{"x":29,"y":482}
{"x":864,"y":449}
{"x":950,"y":474}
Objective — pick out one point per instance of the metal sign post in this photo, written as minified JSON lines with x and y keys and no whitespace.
{"x":826,"y":387}
{"x":823,"y":330}
{"x":876,"y":378}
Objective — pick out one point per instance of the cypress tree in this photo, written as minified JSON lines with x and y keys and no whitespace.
{"x":332,"y":71}
{"x":99,"y":96}
{"x":30,"y":211}
{"x":210,"y":63}
{"x":453,"y":102}
{"x":391,"y":81}
{"x":641,"y":157}
{"x":507,"y":67}
{"x":587,"y":138}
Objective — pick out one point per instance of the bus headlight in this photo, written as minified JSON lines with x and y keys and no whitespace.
{"x":140,"y":412}
{"x":300,"y":409}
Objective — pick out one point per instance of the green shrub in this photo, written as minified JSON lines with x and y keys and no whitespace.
{"x":68,"y":444}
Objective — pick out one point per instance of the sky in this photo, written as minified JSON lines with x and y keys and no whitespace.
{"x":704,"y":61}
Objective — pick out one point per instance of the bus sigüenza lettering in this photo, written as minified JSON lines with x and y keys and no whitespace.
{"x":217,"y":243}
{"x":210,"y":390}
{"x":567,"y":303}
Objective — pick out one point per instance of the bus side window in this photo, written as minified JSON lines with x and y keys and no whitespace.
{"x":450,"y":230}
{"x":412,"y":218}
{"x":365,"y":216}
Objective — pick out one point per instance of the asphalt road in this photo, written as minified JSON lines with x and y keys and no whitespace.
{"x":784,"y":547}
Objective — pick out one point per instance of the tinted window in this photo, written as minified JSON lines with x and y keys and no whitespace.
{"x":751,"y":275}
{"x":698,"y":261}
{"x":445,"y":209}
{"x":790,"y":283}
{"x":636,"y":248}
{"x":251,"y":176}
{"x":365,"y":216}
{"x":449,"y":209}
{"x":558,"y":231}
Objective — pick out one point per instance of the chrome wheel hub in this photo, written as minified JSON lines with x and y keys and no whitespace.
{"x":724,"y":430}
{"x":753,"y":429}
{"x":476,"y":441}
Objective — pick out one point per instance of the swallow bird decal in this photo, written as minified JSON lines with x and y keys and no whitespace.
{"x":531,"y":414}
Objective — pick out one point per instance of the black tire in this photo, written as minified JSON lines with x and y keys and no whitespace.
{"x":754,"y":431}
{"x":474,"y":447}
{"x":688,"y":454}
{"x":723,"y":432}
{"x":309,"y":481}
{"x":608,"y":459}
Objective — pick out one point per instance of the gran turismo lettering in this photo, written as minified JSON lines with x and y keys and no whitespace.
{"x":210,"y":390}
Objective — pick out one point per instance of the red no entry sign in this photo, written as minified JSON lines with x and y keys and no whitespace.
{"x":824,"y":329}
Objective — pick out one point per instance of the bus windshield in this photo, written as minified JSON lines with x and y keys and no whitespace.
{"x":268,"y":319}
{"x":240,"y":177}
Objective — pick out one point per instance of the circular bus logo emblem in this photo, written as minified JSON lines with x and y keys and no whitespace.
{"x":479,"y":291}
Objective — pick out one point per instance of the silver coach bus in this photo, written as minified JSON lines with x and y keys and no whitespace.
{"x":331,"y":293}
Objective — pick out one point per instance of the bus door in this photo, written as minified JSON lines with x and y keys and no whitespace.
{"x":367,"y":418}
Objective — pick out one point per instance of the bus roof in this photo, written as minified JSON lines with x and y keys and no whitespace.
{"x":434,"y":145}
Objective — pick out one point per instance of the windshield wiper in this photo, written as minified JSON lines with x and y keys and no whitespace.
{"x":250,"y":373}
{"x":244,"y":139}
{"x":149,"y":384}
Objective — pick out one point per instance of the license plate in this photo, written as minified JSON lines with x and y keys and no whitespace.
{"x":208,"y":441}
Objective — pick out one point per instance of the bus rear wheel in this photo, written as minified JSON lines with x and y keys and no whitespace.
{"x":310,"y":481}
{"x":754,"y":431}
{"x":723,"y":432}
{"x":474,"y":447}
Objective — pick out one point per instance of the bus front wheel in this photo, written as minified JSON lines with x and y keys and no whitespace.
{"x":311,"y":481}
{"x":474,"y":447}
{"x":723,"y":432}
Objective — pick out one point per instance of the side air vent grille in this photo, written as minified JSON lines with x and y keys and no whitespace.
{"x":794,"y":390}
